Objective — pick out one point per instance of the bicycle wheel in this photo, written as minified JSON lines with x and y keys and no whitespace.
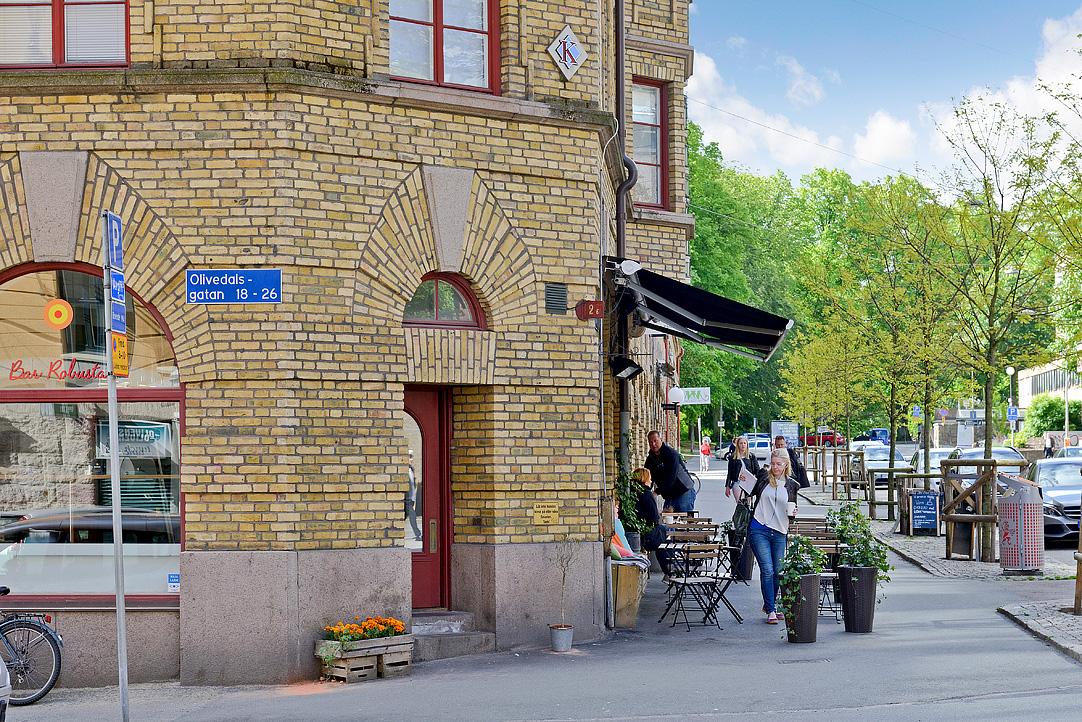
{"x":33,"y":659}
{"x":695,"y":478}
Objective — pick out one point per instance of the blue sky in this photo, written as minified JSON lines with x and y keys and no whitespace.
{"x":867,"y":77}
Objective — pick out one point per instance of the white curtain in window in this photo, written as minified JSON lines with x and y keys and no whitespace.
{"x":26,"y":35}
{"x":411,"y":50}
{"x":94,"y":33}
{"x":465,"y":58}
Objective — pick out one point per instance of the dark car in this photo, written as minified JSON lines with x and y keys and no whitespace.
{"x":93,"y":527}
{"x":1061,"y":486}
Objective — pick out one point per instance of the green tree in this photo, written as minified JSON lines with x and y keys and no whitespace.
{"x":1045,"y":413}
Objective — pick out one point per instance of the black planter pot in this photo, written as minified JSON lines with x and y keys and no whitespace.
{"x":802,"y":621}
{"x":858,"y":586}
{"x":634,"y":540}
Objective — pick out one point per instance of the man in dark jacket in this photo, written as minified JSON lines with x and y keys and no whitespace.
{"x":799,"y":472}
{"x":670,"y":475}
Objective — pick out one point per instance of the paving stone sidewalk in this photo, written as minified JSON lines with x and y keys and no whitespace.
{"x":928,"y":552}
{"x":1048,"y":621}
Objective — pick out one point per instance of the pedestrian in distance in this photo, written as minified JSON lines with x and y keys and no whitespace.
{"x":1049,"y":446}
{"x":774,"y":500}
{"x":799,"y":472}
{"x":732,"y":448}
{"x":740,"y":457}
{"x":671,"y":476}
{"x":646,"y":506}
{"x":704,"y":454}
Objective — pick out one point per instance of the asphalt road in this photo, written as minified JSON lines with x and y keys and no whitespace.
{"x":939,"y":651}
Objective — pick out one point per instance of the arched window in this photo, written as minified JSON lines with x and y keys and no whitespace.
{"x":55,"y":491}
{"x":443,"y":300}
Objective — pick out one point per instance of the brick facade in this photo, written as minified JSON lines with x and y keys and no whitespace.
{"x":267,"y":134}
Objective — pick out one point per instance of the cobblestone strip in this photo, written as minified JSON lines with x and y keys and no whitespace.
{"x":1048,"y":621}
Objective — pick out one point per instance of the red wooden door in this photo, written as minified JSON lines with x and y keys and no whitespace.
{"x":427,"y":427}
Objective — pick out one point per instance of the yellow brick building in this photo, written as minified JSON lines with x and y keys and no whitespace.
{"x":386,"y":435}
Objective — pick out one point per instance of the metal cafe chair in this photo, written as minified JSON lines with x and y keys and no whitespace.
{"x":696,"y":587}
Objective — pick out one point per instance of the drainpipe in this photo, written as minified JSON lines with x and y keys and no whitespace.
{"x":621,"y":224}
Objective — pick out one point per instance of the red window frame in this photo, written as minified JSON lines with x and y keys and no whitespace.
{"x":59,"y":50}
{"x":464,"y":289}
{"x":438,"y":27}
{"x":68,"y":396}
{"x":663,"y":140}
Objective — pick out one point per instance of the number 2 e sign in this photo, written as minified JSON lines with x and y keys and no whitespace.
{"x":233,"y":286}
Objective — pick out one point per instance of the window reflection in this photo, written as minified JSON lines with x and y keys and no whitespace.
{"x":414,"y":502}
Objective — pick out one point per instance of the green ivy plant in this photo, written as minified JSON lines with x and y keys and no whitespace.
{"x":849,"y":523}
{"x":627,"y":493}
{"x":865,"y":551}
{"x":801,"y":558}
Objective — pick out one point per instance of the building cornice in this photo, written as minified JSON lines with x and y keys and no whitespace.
{"x":195,"y":80}
{"x":657,"y":217}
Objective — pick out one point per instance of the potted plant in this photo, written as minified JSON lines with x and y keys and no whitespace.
{"x":862,"y":567}
{"x":799,"y":579}
{"x":561,"y":635}
{"x":359,"y":650}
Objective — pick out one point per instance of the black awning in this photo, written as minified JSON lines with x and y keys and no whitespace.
{"x":682,"y":310}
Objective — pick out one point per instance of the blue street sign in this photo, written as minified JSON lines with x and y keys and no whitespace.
{"x":1012,"y":413}
{"x":117,"y":290}
{"x":118,"y":317}
{"x":916,"y":413}
{"x":234,"y":285}
{"x":114,"y":235}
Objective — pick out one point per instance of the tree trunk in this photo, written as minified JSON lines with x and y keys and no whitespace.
{"x":988,"y":531}
{"x":893,"y":416}
{"x":927,"y":429}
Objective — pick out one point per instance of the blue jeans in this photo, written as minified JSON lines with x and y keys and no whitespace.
{"x":685,"y":502}
{"x":768,"y":546}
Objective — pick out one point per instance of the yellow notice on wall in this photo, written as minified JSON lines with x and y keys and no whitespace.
{"x":546,"y":512}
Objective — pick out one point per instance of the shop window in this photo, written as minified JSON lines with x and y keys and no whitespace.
{"x":443,"y":300}
{"x":55,"y":491}
{"x":650,"y":143}
{"x":63,"y":32}
{"x":445,"y":42}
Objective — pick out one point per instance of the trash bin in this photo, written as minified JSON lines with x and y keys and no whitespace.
{"x":1021,"y":526}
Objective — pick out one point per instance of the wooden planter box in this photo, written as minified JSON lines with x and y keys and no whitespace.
{"x":367,"y":658}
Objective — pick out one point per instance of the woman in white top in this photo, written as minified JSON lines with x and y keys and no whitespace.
{"x":775,"y":503}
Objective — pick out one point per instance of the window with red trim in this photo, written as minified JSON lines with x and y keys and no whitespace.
{"x":55,"y":492}
{"x":445,"y":42}
{"x":443,"y":300}
{"x":650,"y":143}
{"x":55,"y":33}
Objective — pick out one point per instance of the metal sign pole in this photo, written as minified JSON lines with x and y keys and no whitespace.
{"x":114,"y":478}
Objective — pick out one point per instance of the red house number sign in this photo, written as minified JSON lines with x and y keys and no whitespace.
{"x":586,"y":310}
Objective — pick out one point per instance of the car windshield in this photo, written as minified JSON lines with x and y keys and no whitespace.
{"x":880,"y":453}
{"x":1070,"y":451}
{"x":1065,"y":474}
{"x":997,"y":453}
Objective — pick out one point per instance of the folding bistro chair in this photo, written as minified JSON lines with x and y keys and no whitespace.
{"x":696,"y":587}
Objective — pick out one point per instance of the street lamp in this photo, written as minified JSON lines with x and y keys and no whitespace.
{"x":1010,"y":400}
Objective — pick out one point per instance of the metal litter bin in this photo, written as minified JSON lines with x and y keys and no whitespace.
{"x":1021,"y":526}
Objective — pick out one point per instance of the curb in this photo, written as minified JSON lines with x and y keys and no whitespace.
{"x":1030,"y":625}
{"x":907,"y":556}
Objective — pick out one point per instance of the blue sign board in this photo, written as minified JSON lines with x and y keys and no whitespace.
{"x":114,"y":238}
{"x":1012,"y":413}
{"x":924,"y":510}
{"x":917,"y":413}
{"x":233,"y":286}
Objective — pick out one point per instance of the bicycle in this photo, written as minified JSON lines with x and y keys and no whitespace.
{"x":30,"y":648}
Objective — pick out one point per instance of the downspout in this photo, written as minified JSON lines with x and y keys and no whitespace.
{"x":605,"y":503}
{"x":621,"y":226}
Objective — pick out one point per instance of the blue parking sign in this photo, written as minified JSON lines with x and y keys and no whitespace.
{"x":1012,"y":413}
{"x":114,"y":237}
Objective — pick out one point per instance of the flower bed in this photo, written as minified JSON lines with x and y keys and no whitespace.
{"x":363,"y":650}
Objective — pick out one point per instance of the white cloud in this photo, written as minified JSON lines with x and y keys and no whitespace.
{"x":736,"y":42}
{"x":833,"y":76}
{"x":755,"y":146}
{"x":804,"y":88}
{"x":885,"y":139}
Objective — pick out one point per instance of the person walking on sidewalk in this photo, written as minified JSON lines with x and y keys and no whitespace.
{"x":704,"y":454}
{"x":774,"y":496}
{"x":799,"y":472}
{"x":740,"y":457}
{"x":670,"y":474}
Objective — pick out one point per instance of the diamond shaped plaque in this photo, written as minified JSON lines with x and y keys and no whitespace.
{"x":567,"y":52}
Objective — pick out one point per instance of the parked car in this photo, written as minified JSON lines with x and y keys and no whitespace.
{"x":1003,"y":453}
{"x":760,"y":445}
{"x":879,"y":434}
{"x":93,"y":527}
{"x":1061,"y":486}
{"x":823,"y":437}
{"x":1068,"y":452}
{"x":877,"y":456}
{"x":937,"y":454}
